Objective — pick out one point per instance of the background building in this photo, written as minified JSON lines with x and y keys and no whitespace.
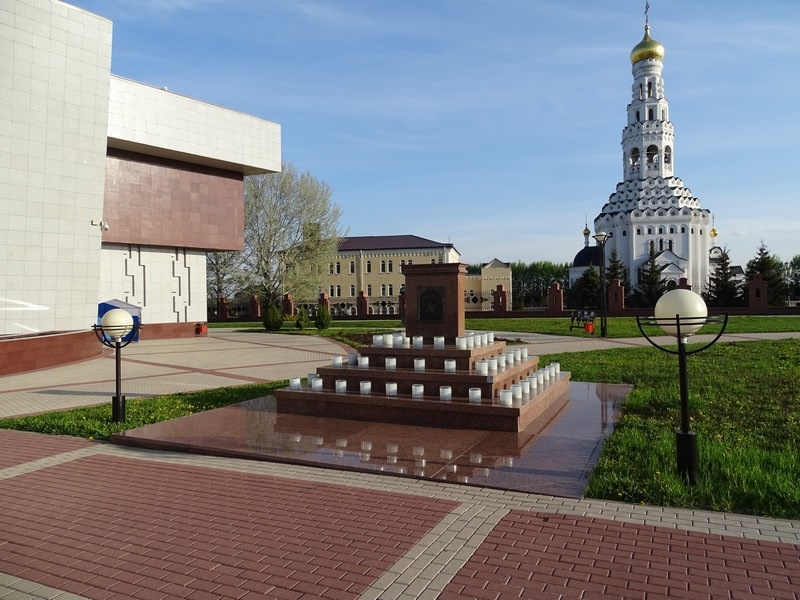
{"x":372,"y":265}
{"x":651,"y":208}
{"x":109,"y":189}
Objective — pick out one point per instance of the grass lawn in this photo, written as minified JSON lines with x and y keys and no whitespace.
{"x":744,"y":402}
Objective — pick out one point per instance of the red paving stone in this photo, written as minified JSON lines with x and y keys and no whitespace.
{"x":535,"y":555}
{"x":109,"y":527}
{"x":19,"y":447}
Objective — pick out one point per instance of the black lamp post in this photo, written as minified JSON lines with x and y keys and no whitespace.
{"x":602,"y":237}
{"x":681,"y":313}
{"x":115,"y":325}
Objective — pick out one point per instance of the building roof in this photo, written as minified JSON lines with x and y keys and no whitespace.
{"x":589,"y":255}
{"x":388,"y":242}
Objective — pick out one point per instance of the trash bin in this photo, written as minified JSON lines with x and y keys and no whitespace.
{"x":588,"y":327}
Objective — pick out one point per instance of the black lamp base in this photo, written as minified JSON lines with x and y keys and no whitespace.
{"x":118,"y":409}
{"x":686,"y":444}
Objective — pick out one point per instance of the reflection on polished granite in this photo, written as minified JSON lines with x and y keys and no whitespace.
{"x":554,"y":456}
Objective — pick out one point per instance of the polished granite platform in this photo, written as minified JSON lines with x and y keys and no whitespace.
{"x":553,"y":456}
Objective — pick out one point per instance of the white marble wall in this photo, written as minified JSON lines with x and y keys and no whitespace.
{"x":169,"y":285}
{"x":55,"y":63}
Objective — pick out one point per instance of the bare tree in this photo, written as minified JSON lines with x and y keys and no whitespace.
{"x":291,"y":233}
{"x":223,"y":276}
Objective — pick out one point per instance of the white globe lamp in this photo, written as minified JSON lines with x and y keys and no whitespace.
{"x":681,"y":308}
{"x":117,"y":323}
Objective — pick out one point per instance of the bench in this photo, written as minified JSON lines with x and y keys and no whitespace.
{"x":579,"y":318}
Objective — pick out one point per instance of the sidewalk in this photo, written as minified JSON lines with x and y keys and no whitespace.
{"x":94,"y":520}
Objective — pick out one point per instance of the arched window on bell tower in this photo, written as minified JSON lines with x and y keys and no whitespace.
{"x":652,"y":154}
{"x":650,"y":89}
{"x":668,"y":155}
{"x":650,"y":115}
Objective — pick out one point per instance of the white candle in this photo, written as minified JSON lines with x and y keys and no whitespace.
{"x":490,"y":337}
{"x":338,"y":361}
{"x":419,"y":364}
{"x":516,"y":391}
{"x":391,"y":388}
{"x":461,"y":343}
{"x":526,"y":386}
{"x":446,"y":454}
{"x":501,"y":362}
{"x":470,"y":342}
{"x":388,"y":340}
{"x":341,"y":386}
{"x":417,"y":391}
{"x":377,"y":341}
{"x":445,"y":392}
{"x":493,"y":364}
{"x":475,"y":458}
{"x":316,"y":384}
{"x":510,"y":359}
{"x":482,"y":367}
{"x":391,"y":363}
{"x":475,"y":395}
{"x":366,"y":388}
{"x":449,"y":366}
{"x":517,"y":354}
{"x":484,"y":339}
{"x":406,"y":342}
{"x":363,"y":362}
{"x":438,"y":341}
{"x":506,"y":397}
{"x":523,"y":353}
{"x":417,"y":341}
{"x":391,"y":448}
{"x":341,"y":442}
{"x":418,"y":450}
{"x":366,"y":446}
{"x":294,"y":383}
{"x":558,"y":367}
{"x":540,"y":377}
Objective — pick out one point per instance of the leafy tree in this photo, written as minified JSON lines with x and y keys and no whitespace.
{"x":651,"y":287}
{"x":302,"y":320}
{"x":585,"y":292}
{"x":291,"y":233}
{"x":793,"y":277}
{"x":723,"y":288}
{"x":531,"y":281}
{"x":773,"y":271}
{"x":223,"y":276}
{"x":617,"y":270}
{"x":323,"y":319}
{"x":273,"y":319}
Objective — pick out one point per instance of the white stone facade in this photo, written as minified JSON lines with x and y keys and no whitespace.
{"x":54,"y":89}
{"x":61,"y":115}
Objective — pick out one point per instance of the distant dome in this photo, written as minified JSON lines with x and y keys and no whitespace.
{"x":586,"y":231}
{"x":647,"y":48}
{"x":590,"y":255}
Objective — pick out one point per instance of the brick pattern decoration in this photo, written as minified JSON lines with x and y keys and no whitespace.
{"x":31,"y":353}
{"x":19,"y":447}
{"x":161,"y":202}
{"x":109,"y":527}
{"x":543,"y":556}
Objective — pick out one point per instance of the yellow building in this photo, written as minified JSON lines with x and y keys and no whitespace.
{"x":372,"y":265}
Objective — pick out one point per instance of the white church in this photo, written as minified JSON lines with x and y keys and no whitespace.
{"x":651,"y":206}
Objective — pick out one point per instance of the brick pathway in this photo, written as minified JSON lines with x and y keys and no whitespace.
{"x":93,"y":520}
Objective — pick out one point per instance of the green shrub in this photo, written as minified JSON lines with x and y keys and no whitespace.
{"x":273,"y":320}
{"x":302,"y":321}
{"x":323,"y":319}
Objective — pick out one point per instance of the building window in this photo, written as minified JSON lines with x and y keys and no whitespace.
{"x":338,"y":291}
{"x":670,"y":246}
{"x":660,"y":245}
{"x":671,"y":230}
{"x":330,"y":292}
{"x":650,"y":115}
{"x":383,"y":266}
{"x":369,"y":290}
{"x":369,"y":266}
{"x":652,"y":154}
{"x":660,"y":230}
{"x":390,"y":266}
{"x":638,"y":116}
{"x":352,"y":291}
{"x":668,"y":155}
{"x":683,"y":229}
{"x":634,"y":157}
{"x":330,"y":269}
{"x":650,"y":91}
{"x":391,"y":290}
{"x":402,"y":263}
{"x":433,"y":261}
{"x":352,"y":267}
{"x":338,"y":268}
{"x":624,"y":233}
{"x":649,"y":231}
{"x":410,"y":262}
{"x":383,"y":289}
{"x":638,"y":231}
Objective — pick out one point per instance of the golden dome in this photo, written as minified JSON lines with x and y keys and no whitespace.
{"x":647,"y":48}
{"x":586,"y":231}
{"x":713,"y":233}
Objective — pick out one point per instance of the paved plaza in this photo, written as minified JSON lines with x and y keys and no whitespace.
{"x":83,"y":519}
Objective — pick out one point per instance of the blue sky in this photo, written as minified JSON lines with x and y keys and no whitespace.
{"x":493,"y":124}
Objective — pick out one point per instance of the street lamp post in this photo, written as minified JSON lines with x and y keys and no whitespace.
{"x":601,"y":237}
{"x":681,"y":313}
{"x":115,"y":325}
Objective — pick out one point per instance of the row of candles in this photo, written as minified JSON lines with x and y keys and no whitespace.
{"x":482,"y":367}
{"x":398,"y":340}
{"x":522,"y":390}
